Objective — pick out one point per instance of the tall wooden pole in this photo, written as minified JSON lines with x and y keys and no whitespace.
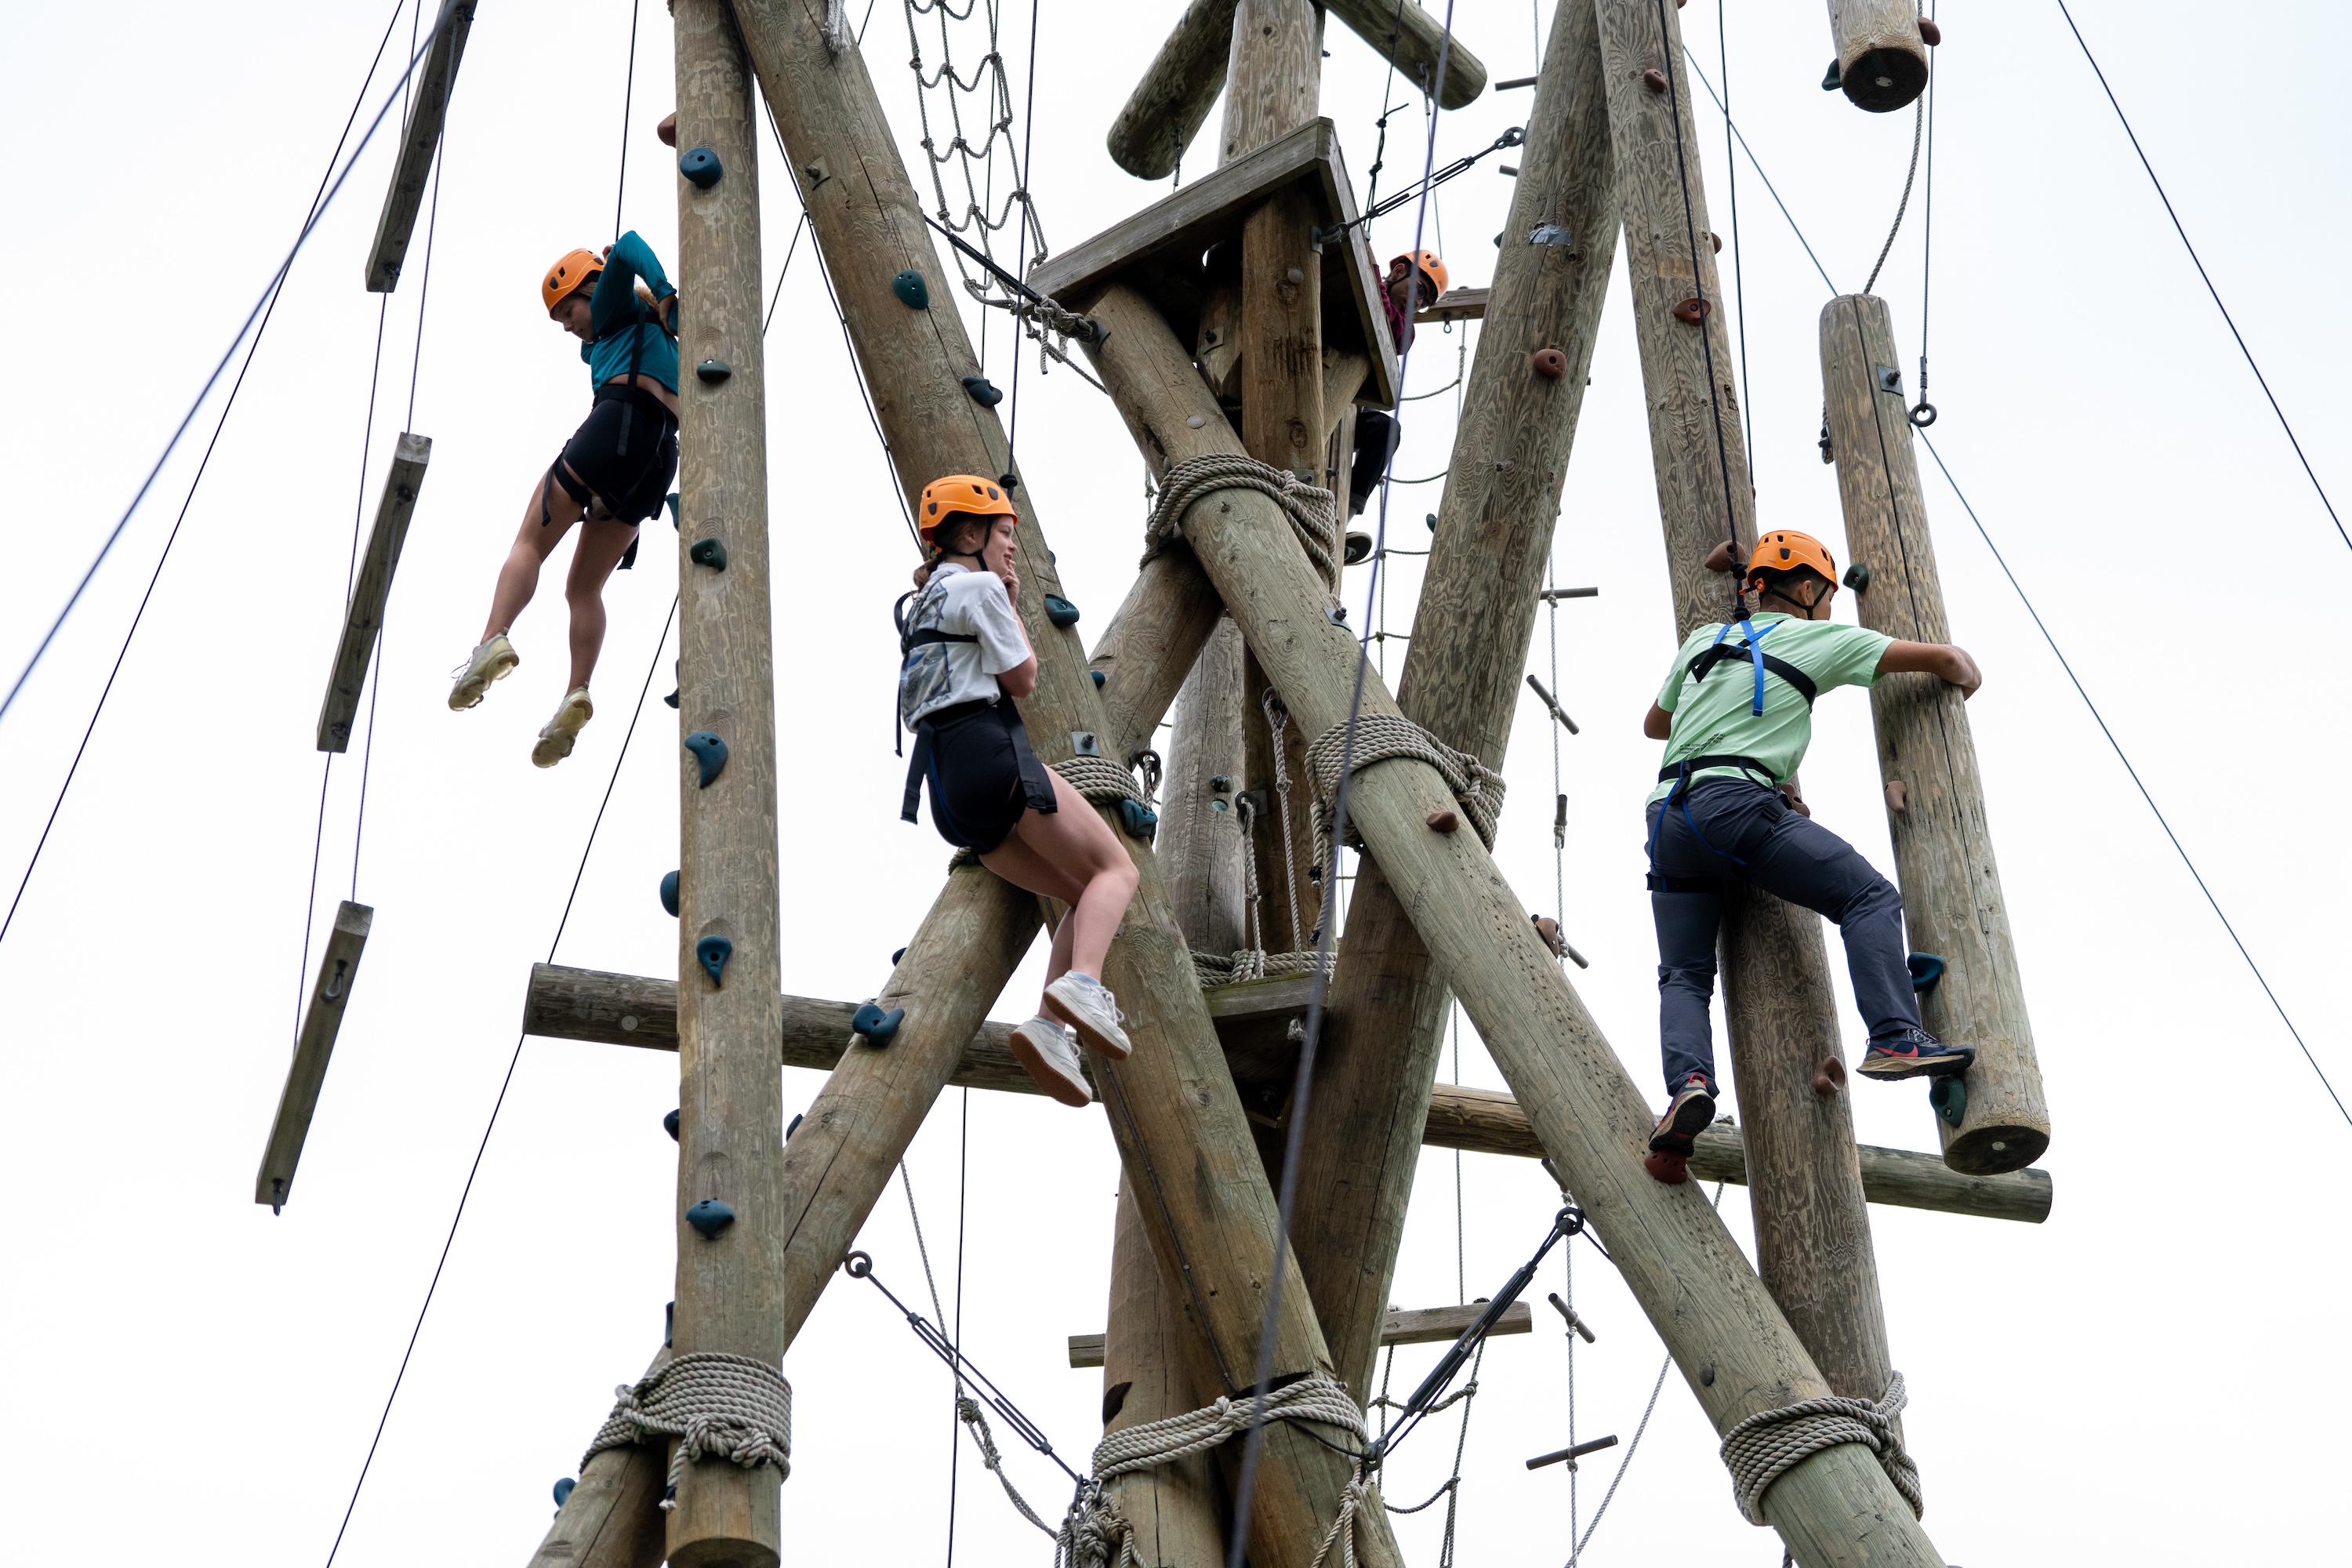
{"x":1812,"y":1224}
{"x":1952,"y":901}
{"x":1835,"y":1509}
{"x":1200,"y":844}
{"x":1176,"y":1509}
{"x":731,"y":1104}
{"x":1383,"y":1022}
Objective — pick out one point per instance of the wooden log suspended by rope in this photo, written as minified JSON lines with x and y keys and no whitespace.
{"x":1383,"y":1032}
{"x":1882,"y":60}
{"x":419,"y":138}
{"x":586,"y":1004}
{"x":1402,"y":1326}
{"x":1179,"y":88}
{"x":1414,"y":39}
{"x":1836,"y":1509}
{"x":730,"y":1101}
{"x":363,"y":614}
{"x":1952,"y":903}
{"x":1177,"y":1509}
{"x":314,"y":1044}
{"x":1812,"y":1224}
{"x":614,"y":1517}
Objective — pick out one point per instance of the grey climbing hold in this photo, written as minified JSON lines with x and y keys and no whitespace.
{"x":710,"y":1216}
{"x":670,"y":1125}
{"x":701,"y":167}
{"x":712,"y":372}
{"x":984,"y":392}
{"x":876,"y":1024}
{"x":1060,"y":611}
{"x":712,"y":953}
{"x":912,"y":291}
{"x":710,"y":552}
{"x":669,"y":891}
{"x":711,"y":751}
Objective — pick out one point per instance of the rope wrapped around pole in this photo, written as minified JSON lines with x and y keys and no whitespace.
{"x":1313,"y":512}
{"x":1100,"y":779}
{"x":717,"y":1405}
{"x":1385,"y":737}
{"x":1765,"y":1446}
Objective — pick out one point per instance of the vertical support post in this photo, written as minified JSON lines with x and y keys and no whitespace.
{"x":613,"y":1517}
{"x":1952,"y":901}
{"x":1177,"y":1509}
{"x":1812,"y":1223}
{"x":731,"y":1104}
{"x":1200,"y":844}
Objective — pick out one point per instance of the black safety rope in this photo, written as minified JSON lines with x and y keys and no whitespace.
{"x":629,"y":96}
{"x":1923,"y":413}
{"x":1738,"y":281}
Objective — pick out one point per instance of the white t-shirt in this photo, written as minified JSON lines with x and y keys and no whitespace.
{"x":941,"y":675}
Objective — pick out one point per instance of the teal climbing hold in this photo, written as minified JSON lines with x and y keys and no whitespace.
{"x":713,"y":371}
{"x":712,"y":953}
{"x":1926,"y":968}
{"x":1857,"y":577}
{"x":984,"y":390}
{"x":794,"y":1124}
{"x":876,"y":1024}
{"x":1100,"y":679}
{"x":563,"y":1490}
{"x":912,"y":291}
{"x":670,"y":1125}
{"x":1949,"y":1096}
{"x":710,"y":552}
{"x":1834,"y":79}
{"x":671,"y":501}
{"x":1139,"y":820}
{"x":1433,"y":522}
{"x":701,"y":167}
{"x":669,"y":891}
{"x":710,"y":1216}
{"x":711,"y":751}
{"x":1060,"y":611}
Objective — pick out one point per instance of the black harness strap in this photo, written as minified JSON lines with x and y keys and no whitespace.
{"x":1740,"y":653}
{"x":1745,"y":764}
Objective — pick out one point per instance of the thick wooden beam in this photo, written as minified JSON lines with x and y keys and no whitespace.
{"x":314,"y":1044}
{"x":1412,"y":37}
{"x":1383,"y":1031}
{"x":1952,"y":903}
{"x":418,"y":139}
{"x":1836,"y":1509}
{"x":363,"y":614}
{"x":1812,"y":1224}
{"x":1179,"y":1511}
{"x":1179,"y":88}
{"x":1882,"y":60}
{"x":613,"y":1517}
{"x":1402,"y":1326}
{"x":1200,"y":844}
{"x":731,"y":1101}
{"x":1457,"y":305}
{"x":631,"y":1010}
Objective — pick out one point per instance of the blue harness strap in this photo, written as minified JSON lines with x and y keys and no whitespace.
{"x":1764,"y":663}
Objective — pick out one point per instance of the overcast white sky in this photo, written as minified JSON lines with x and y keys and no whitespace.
{"x":2150,"y":1376}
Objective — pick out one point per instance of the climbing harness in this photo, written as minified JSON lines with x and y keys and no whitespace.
{"x":717,"y":1404}
{"x":1313,"y":512}
{"x":1385,"y":737}
{"x":1752,"y":644}
{"x":1765,"y":1446}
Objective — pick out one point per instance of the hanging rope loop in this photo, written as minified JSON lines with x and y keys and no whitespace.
{"x":1385,"y":737}
{"x":717,"y":1404}
{"x":1765,"y":1446}
{"x":1313,"y":512}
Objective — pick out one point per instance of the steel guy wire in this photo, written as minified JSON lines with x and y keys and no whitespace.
{"x":628,"y":97}
{"x":1738,"y":279}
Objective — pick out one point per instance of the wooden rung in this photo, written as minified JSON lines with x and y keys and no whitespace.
{"x":1159,"y":250}
{"x":418,"y":139}
{"x":339,"y":966}
{"x":1457,"y":305}
{"x":1419,"y":1326}
{"x":363,"y":617}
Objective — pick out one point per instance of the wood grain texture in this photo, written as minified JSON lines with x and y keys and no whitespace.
{"x":1179,"y":1511}
{"x":1412,"y":38}
{"x":1952,"y":903}
{"x":1882,"y":60}
{"x":314,"y":1046}
{"x":1274,"y":73}
{"x":1805,"y":1192}
{"x":364,"y":613}
{"x":731,"y":1101}
{"x":1458,"y":304}
{"x":1200,"y":844}
{"x":418,"y":140}
{"x":1179,"y":88}
{"x":1837,"y":1507}
{"x":613,"y":1517}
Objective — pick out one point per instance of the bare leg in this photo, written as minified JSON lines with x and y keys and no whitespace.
{"x":534,"y":543}
{"x":1071,"y":854}
{"x":602,"y":544}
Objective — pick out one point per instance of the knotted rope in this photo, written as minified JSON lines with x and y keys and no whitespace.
{"x":1313,"y":512}
{"x":1100,"y":779}
{"x":1769,"y":1444}
{"x":968,"y":1412}
{"x":1254,"y":962}
{"x":1385,"y":737}
{"x":717,"y":1405}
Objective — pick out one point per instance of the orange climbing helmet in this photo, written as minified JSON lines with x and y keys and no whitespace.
{"x":575,"y":270}
{"x":1785,"y":550}
{"x":1428,"y":261}
{"x":968,"y":493}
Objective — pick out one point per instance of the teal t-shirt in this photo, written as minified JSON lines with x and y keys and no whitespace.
{"x":1716,"y":717}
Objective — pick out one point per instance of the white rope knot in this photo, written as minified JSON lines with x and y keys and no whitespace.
{"x":1343,"y":1531}
{"x":1765,"y":1446}
{"x":1254,"y":964}
{"x":1095,"y":1534}
{"x":1100,"y":779}
{"x":717,"y":1405}
{"x":1385,"y":737}
{"x":1313,"y":512}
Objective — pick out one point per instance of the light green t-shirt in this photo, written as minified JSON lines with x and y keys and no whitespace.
{"x":1716,"y":717}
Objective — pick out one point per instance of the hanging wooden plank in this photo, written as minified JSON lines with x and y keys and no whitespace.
{"x":1402,"y":1326}
{"x":418,"y":139}
{"x":363,"y":616}
{"x":322,"y":1020}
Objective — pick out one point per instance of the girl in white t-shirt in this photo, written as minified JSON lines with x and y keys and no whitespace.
{"x":966,"y":661}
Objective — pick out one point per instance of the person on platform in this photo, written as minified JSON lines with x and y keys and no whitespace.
{"x":965,"y":662}
{"x":1735,"y":714}
{"x":615,"y":472}
{"x":1416,"y":281}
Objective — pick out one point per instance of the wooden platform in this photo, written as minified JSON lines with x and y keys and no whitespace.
{"x":1160,"y":249}
{"x":1402,"y":1326}
{"x":1455,"y":305}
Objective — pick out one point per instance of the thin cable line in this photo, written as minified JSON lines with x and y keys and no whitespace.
{"x":1754,"y":164}
{"x":311,"y":904}
{"x":628,"y":97}
{"x":1738,"y":277}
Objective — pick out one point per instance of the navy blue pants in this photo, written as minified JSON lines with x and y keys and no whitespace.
{"x":1723,"y":829}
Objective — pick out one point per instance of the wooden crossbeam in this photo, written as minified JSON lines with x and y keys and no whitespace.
{"x":586,"y":1004}
{"x":322,"y":1020}
{"x":1413,"y":38}
{"x":418,"y":137}
{"x":1402,"y":1326}
{"x":363,"y":616}
{"x":1455,"y":305}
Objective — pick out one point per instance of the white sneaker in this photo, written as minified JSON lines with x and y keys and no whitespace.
{"x":494,"y":660}
{"x":555,"y":740}
{"x":1043,"y":1046}
{"x":1086,"y":1005}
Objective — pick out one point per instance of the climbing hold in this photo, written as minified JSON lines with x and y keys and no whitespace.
{"x":1931,"y":33}
{"x":1716,"y":240}
{"x":702,"y":168}
{"x":1949,"y":1096}
{"x":1857,"y":577}
{"x":1694,"y":309}
{"x":711,"y":751}
{"x":714,"y":370}
{"x":1671,"y":1168}
{"x":1359,"y":548}
{"x":1719,"y":559}
{"x":1898,"y":796}
{"x":1654,"y":79}
{"x":1442,"y":822}
{"x":1832,"y":80}
{"x":896,"y":956}
{"x":876,"y":1025}
{"x":1223,"y":784}
{"x":710,"y":552}
{"x":670,"y":1125}
{"x":794,"y":1124}
{"x":1551,"y":363}
{"x":1100,"y":679}
{"x":669,"y":891}
{"x":671,"y":501}
{"x":712,"y":953}
{"x":563,"y":1490}
{"x":666,"y":132}
{"x":984,"y":390}
{"x":669,"y":1322}
{"x":1926,"y":968}
{"x":671,"y":699}
{"x":1433,"y":522}
{"x":1060,"y":611}
{"x":710,"y":1216}
{"x":912,"y":291}
{"x":1195,"y":421}
{"x":1548,"y":930}
{"x":1139,"y":820}
{"x":1829,"y":1078}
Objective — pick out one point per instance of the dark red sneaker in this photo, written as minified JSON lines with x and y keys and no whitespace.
{"x":1915,"y":1053}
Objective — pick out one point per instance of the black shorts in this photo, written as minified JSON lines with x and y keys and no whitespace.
{"x":982,"y":774}
{"x":625,"y":452}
